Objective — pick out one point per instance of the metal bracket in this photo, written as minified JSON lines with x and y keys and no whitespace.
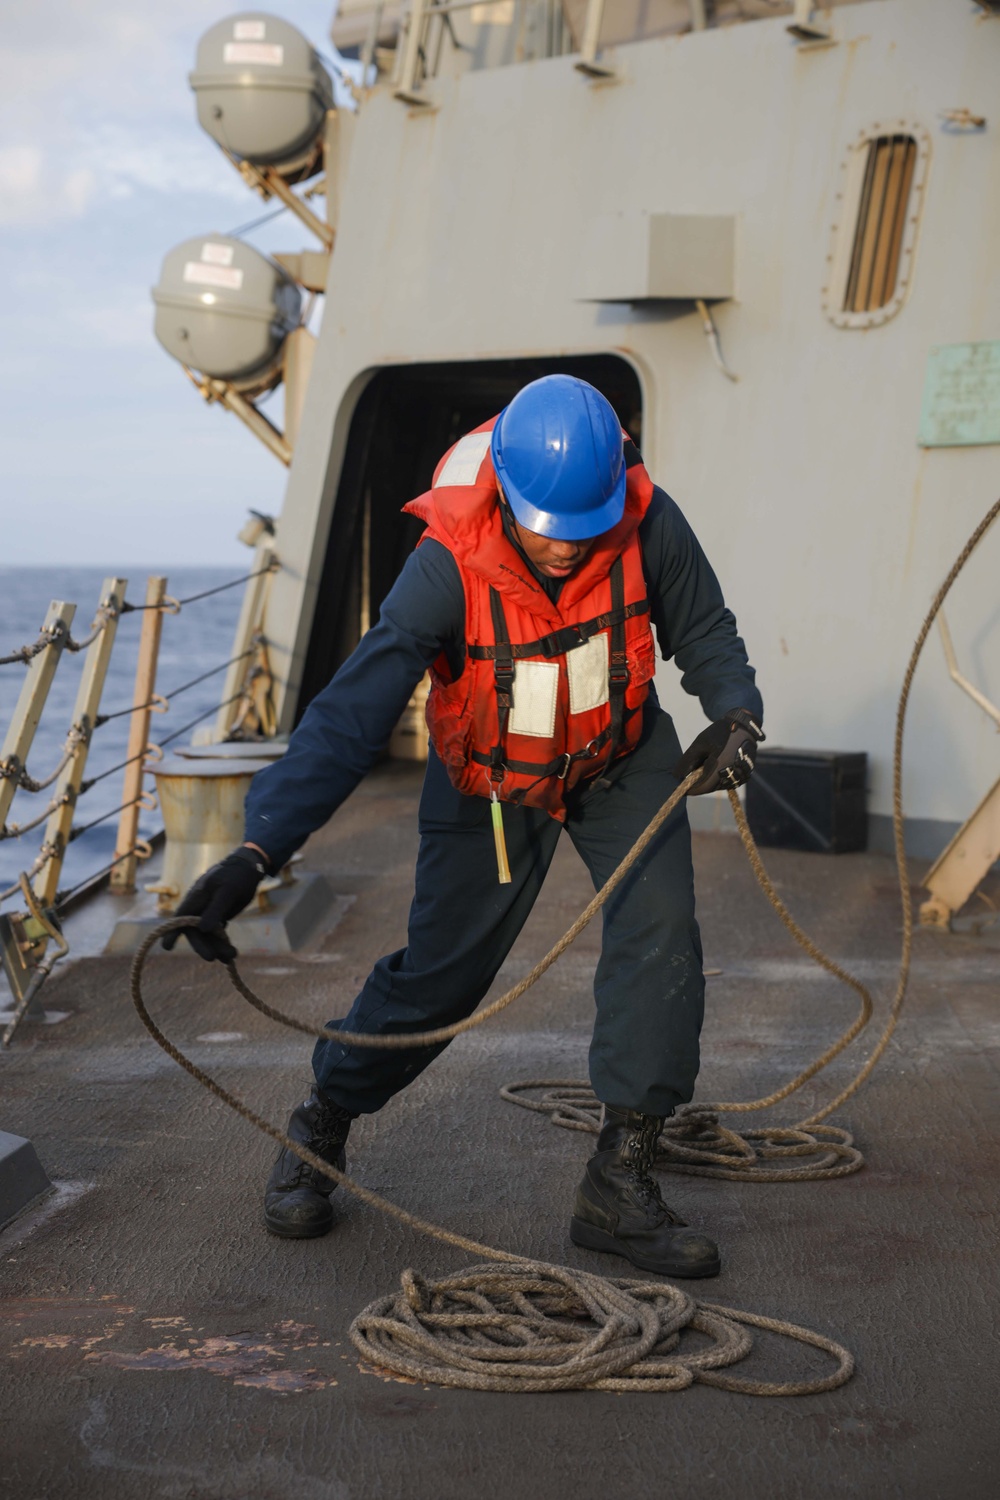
{"x":588,"y":62}
{"x":226,"y":394}
{"x":407,"y":89}
{"x":24,"y":940}
{"x":807,"y":31}
{"x":270,"y":184}
{"x":957,"y":872}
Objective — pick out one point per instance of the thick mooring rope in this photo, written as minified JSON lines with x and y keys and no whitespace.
{"x":519,"y":1325}
{"x":536,"y":1327}
{"x":695,"y":1141}
{"x":514,"y":1324}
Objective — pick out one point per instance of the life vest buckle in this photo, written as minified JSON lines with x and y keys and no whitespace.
{"x":563,"y":771}
{"x":618,"y":673}
{"x":558,"y":642}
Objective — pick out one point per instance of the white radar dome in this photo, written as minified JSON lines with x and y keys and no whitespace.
{"x":224,"y":309}
{"x":262,"y":92}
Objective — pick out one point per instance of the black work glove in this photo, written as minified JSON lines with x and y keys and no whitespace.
{"x":216,"y":897}
{"x":725,"y":751}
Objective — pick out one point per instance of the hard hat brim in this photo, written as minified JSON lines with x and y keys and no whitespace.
{"x":576,"y":528}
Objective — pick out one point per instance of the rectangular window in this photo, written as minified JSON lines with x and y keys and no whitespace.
{"x":881,"y":221}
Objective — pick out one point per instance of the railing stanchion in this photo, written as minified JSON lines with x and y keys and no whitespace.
{"x":34,"y":691}
{"x":248,"y":626}
{"x":123,"y":874}
{"x":88,"y":698}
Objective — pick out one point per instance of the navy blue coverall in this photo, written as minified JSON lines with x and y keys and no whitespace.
{"x":648,"y":987}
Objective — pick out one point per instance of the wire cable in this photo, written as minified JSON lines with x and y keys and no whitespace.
{"x":242,"y":229}
{"x":134,"y":609}
{"x":120,"y":713}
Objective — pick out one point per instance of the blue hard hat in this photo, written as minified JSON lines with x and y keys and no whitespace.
{"x":559,"y":455}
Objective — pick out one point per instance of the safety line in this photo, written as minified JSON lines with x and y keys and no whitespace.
{"x":171,"y":606}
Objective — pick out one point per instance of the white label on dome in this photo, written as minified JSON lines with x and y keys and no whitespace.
{"x":203,"y":275}
{"x":249,"y":31}
{"x":217,"y":255}
{"x":465,"y":459}
{"x":269,"y":53}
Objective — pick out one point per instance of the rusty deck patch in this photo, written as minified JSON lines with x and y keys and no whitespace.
{"x":101,"y":1332}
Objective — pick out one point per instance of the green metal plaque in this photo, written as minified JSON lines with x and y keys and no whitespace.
{"x":961,"y":396}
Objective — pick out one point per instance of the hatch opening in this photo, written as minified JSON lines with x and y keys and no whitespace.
{"x":406,"y":418}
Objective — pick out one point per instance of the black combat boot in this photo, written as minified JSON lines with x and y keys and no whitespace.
{"x":297,"y":1197}
{"x":619,"y":1209}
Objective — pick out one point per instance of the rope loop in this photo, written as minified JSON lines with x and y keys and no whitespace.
{"x":695,"y":1142}
{"x":532,"y":1327}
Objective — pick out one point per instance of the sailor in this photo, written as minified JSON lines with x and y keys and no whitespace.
{"x":548,"y":562}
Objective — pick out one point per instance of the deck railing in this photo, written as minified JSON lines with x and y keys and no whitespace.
{"x":31,"y":939}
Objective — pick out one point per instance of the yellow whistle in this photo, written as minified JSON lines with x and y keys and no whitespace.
{"x":503,"y":868}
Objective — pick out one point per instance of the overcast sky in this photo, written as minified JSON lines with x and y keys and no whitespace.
{"x":107,"y":454}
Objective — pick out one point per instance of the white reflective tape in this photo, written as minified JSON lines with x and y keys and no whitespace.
{"x":465,"y":459}
{"x":536,"y":688}
{"x":269,"y":53}
{"x":587,"y":669}
{"x":249,"y":31}
{"x":217,"y":255}
{"x":203,"y":275}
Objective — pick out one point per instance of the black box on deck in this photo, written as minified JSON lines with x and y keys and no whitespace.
{"x":809,"y":799}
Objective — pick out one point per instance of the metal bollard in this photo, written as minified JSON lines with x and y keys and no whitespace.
{"x":202,"y":806}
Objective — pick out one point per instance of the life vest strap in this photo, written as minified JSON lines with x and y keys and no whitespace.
{"x":502,"y":656}
{"x":558,"y":642}
{"x":618,"y":673}
{"x":557,"y":767}
{"x":560,"y":765}
{"x":503,"y":680}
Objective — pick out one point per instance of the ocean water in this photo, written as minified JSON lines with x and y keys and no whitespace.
{"x":196,"y":640}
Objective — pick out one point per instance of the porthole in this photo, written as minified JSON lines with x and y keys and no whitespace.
{"x":870,"y":263}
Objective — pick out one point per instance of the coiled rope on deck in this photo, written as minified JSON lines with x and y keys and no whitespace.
{"x":520,"y":1325}
{"x":695,"y":1140}
{"x":524,"y":1325}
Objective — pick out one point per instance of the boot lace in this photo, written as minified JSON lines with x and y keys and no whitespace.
{"x":327,"y":1137}
{"x":638,"y":1152}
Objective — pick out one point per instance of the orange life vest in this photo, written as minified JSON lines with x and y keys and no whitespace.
{"x":550,"y":692}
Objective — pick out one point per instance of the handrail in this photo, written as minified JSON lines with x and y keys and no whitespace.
{"x":31,"y":701}
{"x":245,"y":704}
{"x":123,"y":874}
{"x":95,"y":669}
{"x":957,"y":677}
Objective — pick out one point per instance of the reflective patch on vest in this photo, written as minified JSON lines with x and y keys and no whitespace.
{"x":465,"y":459}
{"x":587,"y":669}
{"x":536,"y":689}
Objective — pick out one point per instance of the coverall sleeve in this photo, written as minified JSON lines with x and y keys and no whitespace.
{"x":348,"y":725}
{"x":692,"y":624}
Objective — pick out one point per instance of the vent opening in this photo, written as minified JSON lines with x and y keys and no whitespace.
{"x":881,"y":222}
{"x":874,"y":236}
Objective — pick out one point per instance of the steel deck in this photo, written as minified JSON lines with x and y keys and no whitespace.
{"x":160,"y":1343}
